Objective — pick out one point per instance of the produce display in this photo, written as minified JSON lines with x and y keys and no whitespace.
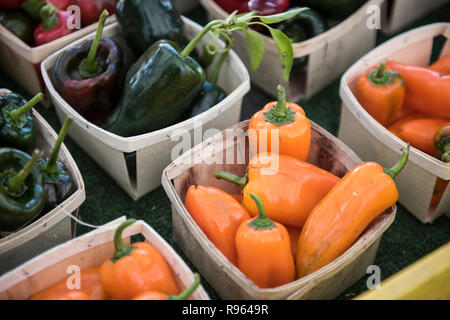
{"x":30,"y":185}
{"x":288,"y":222}
{"x":412,"y":102}
{"x":37,"y":22}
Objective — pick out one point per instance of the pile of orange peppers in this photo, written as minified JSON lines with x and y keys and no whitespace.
{"x":289,"y":223}
{"x":411,"y":102}
{"x":136,"y":272}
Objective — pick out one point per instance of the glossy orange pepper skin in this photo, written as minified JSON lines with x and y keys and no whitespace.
{"x":383,"y":101}
{"x":442,"y":65}
{"x":340,"y":218}
{"x":264,"y":255}
{"x":294,"y":138}
{"x":90,"y":286}
{"x":419,"y":130}
{"x":140,"y":269}
{"x":151,"y":295}
{"x":219,"y":215}
{"x":427,"y":91}
{"x":289,"y":195}
{"x":155,"y":295}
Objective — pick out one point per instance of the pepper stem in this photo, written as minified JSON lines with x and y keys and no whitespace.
{"x":14,"y":183}
{"x":48,"y":17}
{"x":381,"y":69}
{"x":280,"y":114}
{"x":262,"y":221}
{"x":215,"y":73}
{"x":280,"y":109}
{"x":191,"y":45}
{"x":51,"y":167}
{"x":89,"y":67}
{"x":240,"y":181}
{"x":122,"y":250}
{"x":189,"y":291}
{"x":446,"y":153}
{"x":380,"y":77}
{"x":18,"y":113}
{"x":398,"y":167}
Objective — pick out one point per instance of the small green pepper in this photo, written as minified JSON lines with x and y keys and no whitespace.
{"x":19,"y":24}
{"x":58,"y":184}
{"x":17,"y":125}
{"x":22,"y":195}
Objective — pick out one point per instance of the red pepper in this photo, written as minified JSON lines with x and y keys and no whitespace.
{"x":54,"y":25}
{"x":231,"y":5}
{"x":10,"y":4}
{"x":92,"y":9}
{"x":268,"y":7}
{"x":60,"y":4}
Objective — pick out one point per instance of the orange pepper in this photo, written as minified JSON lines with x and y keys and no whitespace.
{"x":419,"y":130}
{"x":155,"y":295}
{"x":339,"y":219}
{"x":442,"y":142}
{"x":427,"y":91}
{"x":442,"y":65}
{"x":381,"y":92}
{"x":135,"y":269}
{"x":219,"y":215}
{"x":90,"y":285}
{"x":294,"y":234}
{"x":264,"y":250}
{"x":294,"y":129}
{"x":289,"y":194}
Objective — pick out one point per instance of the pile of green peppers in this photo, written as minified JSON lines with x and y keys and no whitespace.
{"x":29,"y":184}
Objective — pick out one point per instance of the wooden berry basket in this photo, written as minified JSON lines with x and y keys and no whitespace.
{"x":21,"y":62}
{"x":197,"y":167}
{"x":154,"y":148}
{"x":329,"y":54}
{"x":371,"y":141}
{"x":88,"y":251}
{"x":398,"y":14}
{"x":53,"y":227}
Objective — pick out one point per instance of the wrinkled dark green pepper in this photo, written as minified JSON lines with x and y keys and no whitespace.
{"x":143,"y":22}
{"x":334,"y":9}
{"x":87,"y":76}
{"x":17,"y":124}
{"x":19,"y":24}
{"x":305,"y":25}
{"x":58,"y":184}
{"x":22,"y":195}
{"x":158,"y":88}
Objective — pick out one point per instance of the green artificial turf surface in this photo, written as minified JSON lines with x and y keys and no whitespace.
{"x":403,"y":243}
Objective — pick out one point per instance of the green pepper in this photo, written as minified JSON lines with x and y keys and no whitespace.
{"x":334,"y":9}
{"x":143,"y":22}
{"x":58,"y":184}
{"x":161,"y":85}
{"x":33,"y":8}
{"x":17,"y":125}
{"x":22,"y":195}
{"x":158,"y":88}
{"x":19,"y":24}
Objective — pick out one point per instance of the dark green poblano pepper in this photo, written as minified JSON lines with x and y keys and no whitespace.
{"x":143,"y":22}
{"x":22,"y":194}
{"x":17,"y":124}
{"x":161,"y":85}
{"x":58,"y":184}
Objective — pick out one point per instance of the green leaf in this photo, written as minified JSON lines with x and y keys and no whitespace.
{"x":279,"y":17}
{"x":245,"y":16}
{"x":285,"y":51}
{"x":255,"y":47}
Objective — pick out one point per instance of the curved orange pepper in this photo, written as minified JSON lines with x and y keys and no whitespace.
{"x":339,"y":219}
{"x":289,"y":194}
{"x":419,"y":130}
{"x":90,"y":285}
{"x":219,"y":215}
{"x":264,"y":250}
{"x":155,"y":295}
{"x":381,"y":92}
{"x":427,"y":91}
{"x":135,"y":269}
{"x":294,"y":235}
{"x":294,"y":129}
{"x":442,"y":65}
